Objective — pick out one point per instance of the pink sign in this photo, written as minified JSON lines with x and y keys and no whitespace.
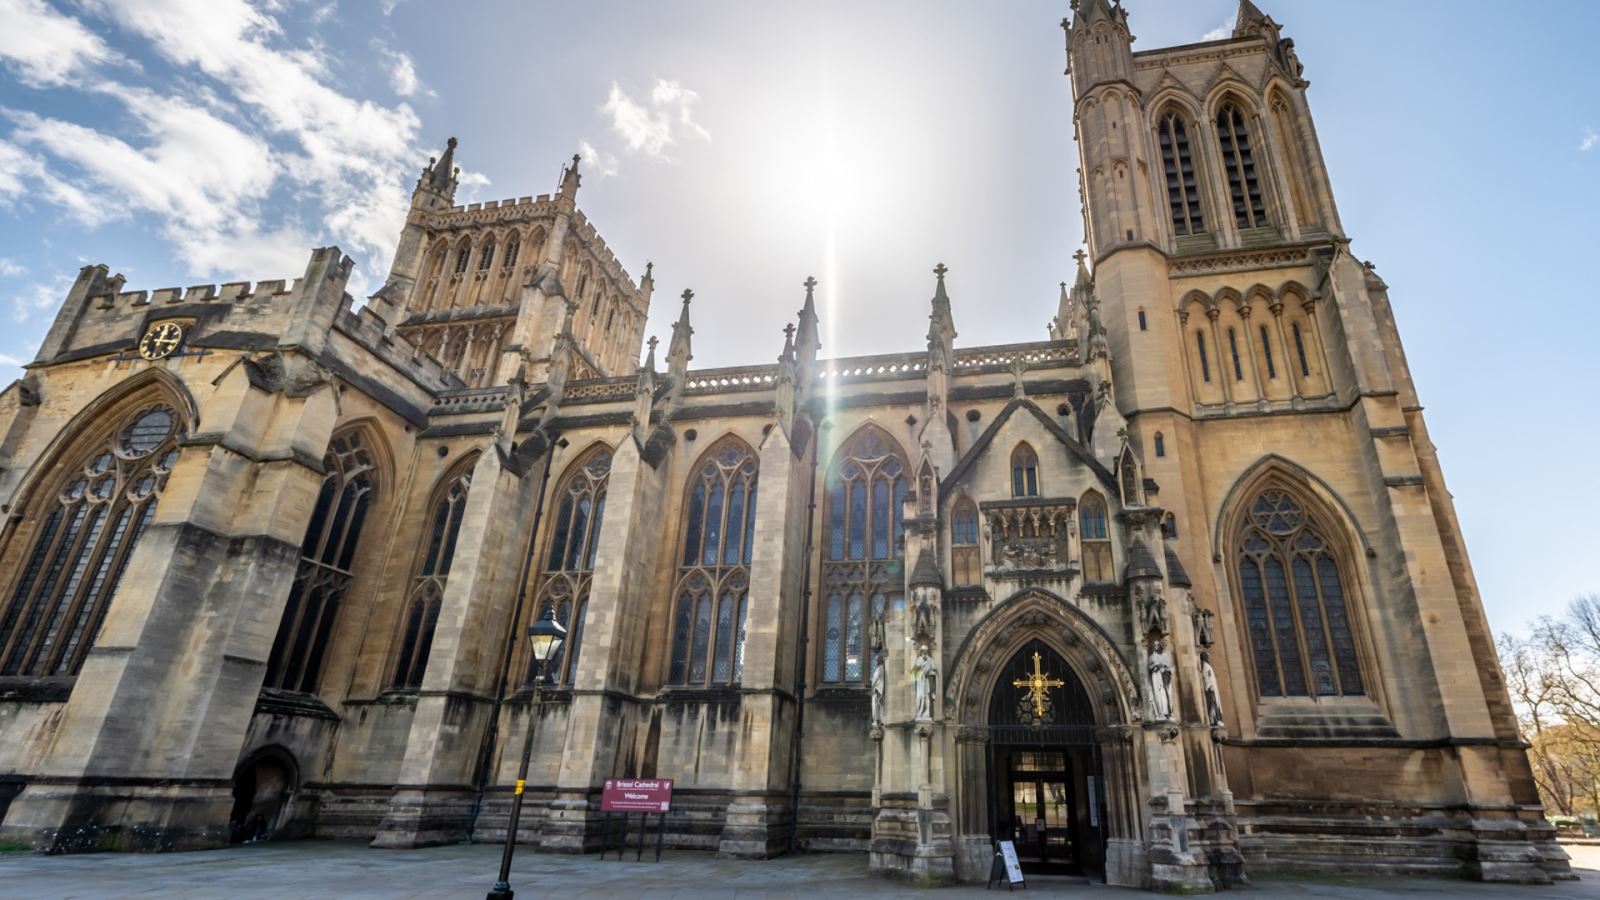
{"x":637,"y":795}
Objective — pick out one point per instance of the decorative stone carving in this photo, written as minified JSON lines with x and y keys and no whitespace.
{"x":1158,"y":669}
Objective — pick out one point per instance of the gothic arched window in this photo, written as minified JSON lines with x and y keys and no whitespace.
{"x":93,"y":514}
{"x":349,"y":489}
{"x":513,"y":244}
{"x":965,"y":557}
{"x":1205,"y":361}
{"x":463,"y":256}
{"x":1293,"y":593}
{"x":1169,"y":527}
{"x":427,"y":586}
{"x":580,"y":507}
{"x":866,"y":491}
{"x":1161,"y":444}
{"x":1183,"y":191}
{"x":1024,"y":472}
{"x":1249,"y":211}
{"x":1095,"y":538}
{"x":712,"y":599}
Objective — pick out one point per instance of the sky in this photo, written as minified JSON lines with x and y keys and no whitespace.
{"x":742,"y":147}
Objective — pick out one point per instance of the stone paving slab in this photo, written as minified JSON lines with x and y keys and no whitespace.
{"x":328,"y":869}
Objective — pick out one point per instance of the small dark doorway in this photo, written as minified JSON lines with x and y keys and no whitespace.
{"x":1045,"y":766}
{"x":262,"y":790}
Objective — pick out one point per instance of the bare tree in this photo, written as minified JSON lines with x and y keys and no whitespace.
{"x":1554,"y":678}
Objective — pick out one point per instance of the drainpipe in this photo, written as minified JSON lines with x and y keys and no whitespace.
{"x":805,"y":643}
{"x":481,"y":779}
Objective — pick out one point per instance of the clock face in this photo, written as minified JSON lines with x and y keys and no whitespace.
{"x":161,"y":340}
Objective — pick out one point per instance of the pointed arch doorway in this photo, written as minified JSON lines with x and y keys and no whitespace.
{"x":1044,"y":766}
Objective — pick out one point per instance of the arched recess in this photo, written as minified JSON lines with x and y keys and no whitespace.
{"x":1233,"y":346}
{"x":1294,"y":159}
{"x":428,"y":294}
{"x":80,"y":513}
{"x":1265,"y":340}
{"x":1303,"y":340}
{"x":264,"y":787}
{"x":1196,"y":320}
{"x":1344,"y":544}
{"x":976,"y":672}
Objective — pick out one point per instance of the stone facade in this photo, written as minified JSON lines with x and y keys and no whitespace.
{"x":1175,"y":593}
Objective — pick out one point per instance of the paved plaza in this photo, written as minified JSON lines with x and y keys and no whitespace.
{"x":314,"y":869}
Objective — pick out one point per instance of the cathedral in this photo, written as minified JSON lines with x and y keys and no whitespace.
{"x":1172,"y":594}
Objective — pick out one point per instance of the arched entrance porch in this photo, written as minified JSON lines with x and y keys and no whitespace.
{"x":1068,"y":757}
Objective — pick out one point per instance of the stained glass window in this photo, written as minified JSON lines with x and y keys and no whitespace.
{"x":1294,"y":603}
{"x":574,"y":541}
{"x":864,"y":494}
{"x":711,"y":602}
{"x":93,"y":517}
{"x":348,"y":491}
{"x":427,"y":587}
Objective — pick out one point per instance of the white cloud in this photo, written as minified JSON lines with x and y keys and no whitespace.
{"x":388,"y":6}
{"x":44,"y":47}
{"x":10,"y":268}
{"x":1221,"y":32}
{"x":403,"y":73}
{"x":7,"y":359}
{"x":1590,"y":139}
{"x":650,"y":130}
{"x":595,"y":162}
{"x":343,"y":155}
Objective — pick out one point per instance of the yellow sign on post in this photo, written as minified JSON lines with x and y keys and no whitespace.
{"x":520,"y":784}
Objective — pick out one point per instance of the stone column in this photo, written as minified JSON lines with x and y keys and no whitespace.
{"x":758,"y":822}
{"x":147,"y":744}
{"x":435,"y":794}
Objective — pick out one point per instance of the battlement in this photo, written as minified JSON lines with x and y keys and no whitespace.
{"x":585,"y":231}
{"x":227,"y":292}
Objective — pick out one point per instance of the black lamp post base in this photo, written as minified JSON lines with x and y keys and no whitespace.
{"x":501,"y":891}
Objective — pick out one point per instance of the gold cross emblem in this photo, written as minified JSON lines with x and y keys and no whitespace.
{"x":1038,"y":685}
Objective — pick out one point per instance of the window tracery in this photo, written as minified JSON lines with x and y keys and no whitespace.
{"x":1293,"y":593}
{"x":569,"y":557}
{"x":1183,"y":192}
{"x":427,"y":586}
{"x":91,"y":524}
{"x":711,"y":602}
{"x":1238,"y":160}
{"x":326,"y":556}
{"x":866,"y":491}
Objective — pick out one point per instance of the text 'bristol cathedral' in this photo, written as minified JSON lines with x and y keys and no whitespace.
{"x":1175,"y":593}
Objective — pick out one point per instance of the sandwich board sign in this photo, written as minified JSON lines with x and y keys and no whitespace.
{"x":1006,"y":868}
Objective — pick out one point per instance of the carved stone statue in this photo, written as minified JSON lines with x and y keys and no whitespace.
{"x":877,"y":640}
{"x":1153,"y":612}
{"x":922,"y":611}
{"x":927,"y":675}
{"x":1208,"y":687}
{"x":878,"y":685}
{"x":1159,"y":669}
{"x":1202,"y":627}
{"x":1291,"y":61}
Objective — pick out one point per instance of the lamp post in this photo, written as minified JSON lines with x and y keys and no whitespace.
{"x":546,"y":636}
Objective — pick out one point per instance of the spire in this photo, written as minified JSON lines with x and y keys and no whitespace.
{"x":570,"y":179}
{"x":1085,"y":12}
{"x":678,"y":354}
{"x":1249,"y":16}
{"x":1084,"y":279}
{"x":941,"y":324}
{"x":808,"y":340}
{"x":650,"y":358}
{"x":441,"y":175}
{"x":788,"y":344}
